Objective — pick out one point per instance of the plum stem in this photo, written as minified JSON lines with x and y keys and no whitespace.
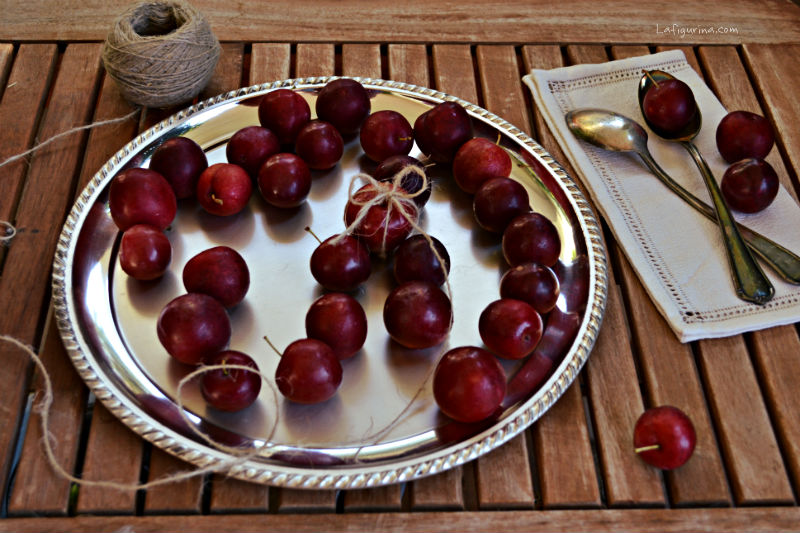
{"x":311,"y":231}
{"x":273,"y":346}
{"x":216,"y":200}
{"x":647,"y":73}
{"x":649,"y":448}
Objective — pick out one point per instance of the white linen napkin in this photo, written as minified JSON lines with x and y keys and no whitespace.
{"x":677,"y":253}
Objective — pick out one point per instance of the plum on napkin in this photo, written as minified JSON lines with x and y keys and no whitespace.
{"x":676,"y":252}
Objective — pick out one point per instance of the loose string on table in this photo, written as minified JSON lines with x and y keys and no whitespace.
{"x":238,"y":455}
{"x":10,"y":230}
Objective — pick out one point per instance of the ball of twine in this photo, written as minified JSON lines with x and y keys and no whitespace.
{"x":161,"y":53}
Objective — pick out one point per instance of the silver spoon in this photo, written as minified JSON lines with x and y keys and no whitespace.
{"x":612,"y":131}
{"x":749,"y":280}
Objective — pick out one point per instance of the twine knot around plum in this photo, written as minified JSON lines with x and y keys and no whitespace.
{"x":161,"y":53}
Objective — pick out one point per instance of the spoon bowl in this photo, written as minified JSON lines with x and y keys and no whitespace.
{"x":689,"y":131}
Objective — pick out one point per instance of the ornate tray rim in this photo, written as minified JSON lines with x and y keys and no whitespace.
{"x":349,"y":476}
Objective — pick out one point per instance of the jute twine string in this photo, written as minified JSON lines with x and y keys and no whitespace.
{"x":10,"y":230}
{"x":396,"y":198}
{"x":161,"y":53}
{"x":237,"y":457}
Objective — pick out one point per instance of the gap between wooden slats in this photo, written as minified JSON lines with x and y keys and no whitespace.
{"x":614,"y":395}
{"x":561,"y":438}
{"x":20,"y":111}
{"x":24,"y":287}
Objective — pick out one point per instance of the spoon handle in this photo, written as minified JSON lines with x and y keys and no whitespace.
{"x":785,"y":263}
{"x":749,"y":280}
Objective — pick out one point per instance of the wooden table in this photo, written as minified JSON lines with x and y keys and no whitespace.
{"x":574,"y":469}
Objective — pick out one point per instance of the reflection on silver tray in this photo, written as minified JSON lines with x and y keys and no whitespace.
{"x":377,"y":430}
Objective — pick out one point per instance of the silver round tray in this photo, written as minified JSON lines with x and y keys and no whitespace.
{"x":383,"y":426}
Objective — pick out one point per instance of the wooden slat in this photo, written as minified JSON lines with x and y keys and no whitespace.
{"x":671,"y":378}
{"x":361,"y":60}
{"x":6,"y":55}
{"x":23,"y":98}
{"x":20,"y":108}
{"x":113,"y":453}
{"x":229,"y":495}
{"x":315,"y":60}
{"x":186,"y":496}
{"x":773,"y":69}
{"x":749,"y":447}
{"x":37,"y":489}
{"x":752,"y":520}
{"x":775,"y":354}
{"x":453,"y":71}
{"x":440,"y":492}
{"x":409,"y":63}
{"x":25,"y":281}
{"x":388,"y":498}
{"x":508,"y":21}
{"x":565,"y":462}
{"x":269,"y":62}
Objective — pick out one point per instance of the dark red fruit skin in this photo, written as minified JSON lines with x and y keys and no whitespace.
{"x":284,"y":112}
{"x":341,"y":265}
{"x":219,"y":272}
{"x":230,"y":389}
{"x":468,"y":384}
{"x":193,"y":327}
{"x":669,"y":106}
{"x":559,"y":334}
{"x":418,"y":315}
{"x":498,"y":201}
{"x":414,"y":179}
{"x":672,"y":430}
{"x":477,"y":161}
{"x":743,"y":135}
{"x":386,"y":133}
{"x":144,"y":252}
{"x":531,"y":238}
{"x":750,"y":185}
{"x":308,"y":372}
{"x":442,"y":130}
{"x":344,"y":103}
{"x":250,"y":146}
{"x":224,"y":189}
{"x":180,"y":160}
{"x":338,"y":320}
{"x":284,"y":180}
{"x":532,"y":283}
{"x":141,"y":196}
{"x":319,"y":144}
{"x":379,"y":235}
{"x":414,"y":260}
{"x":510,"y":328}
